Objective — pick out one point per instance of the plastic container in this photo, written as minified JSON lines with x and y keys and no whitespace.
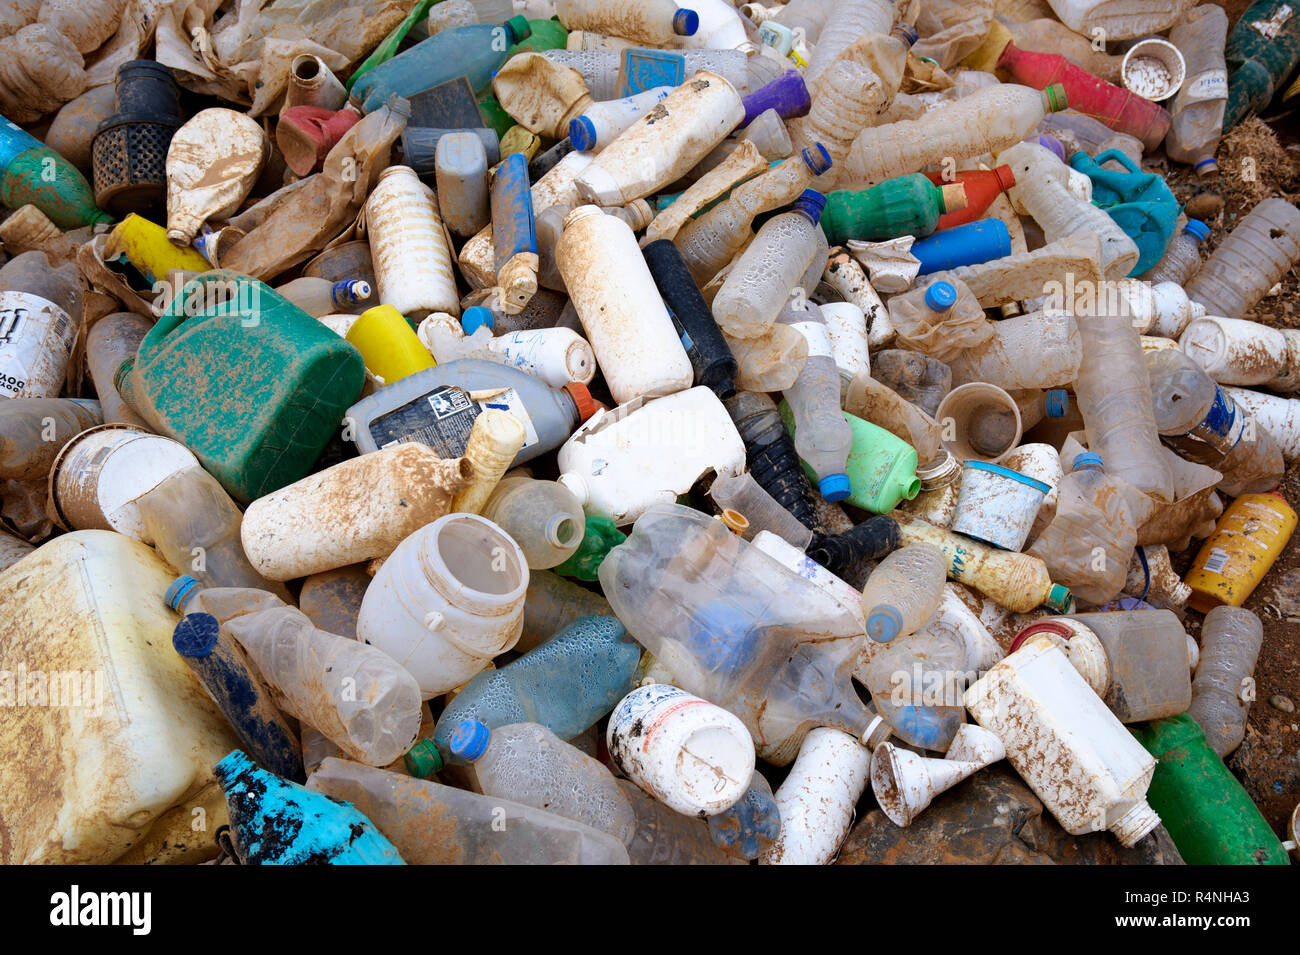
{"x":710,"y":355}
{"x":1259,"y":58}
{"x":1182,"y":258}
{"x":997,"y":505}
{"x":604,"y":121}
{"x":34,"y":430}
{"x":1119,"y":19}
{"x":1254,"y":256}
{"x":750,"y":827}
{"x":823,"y":437}
{"x":983,"y":421}
{"x":412,"y":258}
{"x":1199,"y":107}
{"x":917,"y":378}
{"x":770,"y":454}
{"x":24,"y":161}
{"x":1249,"y":537}
{"x":849,"y":98}
{"x":1223,"y":688}
{"x":543,"y":517}
{"x":849,"y":20}
{"x":904,"y":591}
{"x":1280,"y":417}
{"x":1235,"y":351}
{"x":37,"y":327}
{"x":461,"y":171}
{"x":1037,"y":350}
{"x":213,"y":162}
{"x":648,"y":22}
{"x":908,"y":205}
{"x":390,"y":349}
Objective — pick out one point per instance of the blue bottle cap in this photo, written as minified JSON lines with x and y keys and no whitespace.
{"x":817,"y":159}
{"x":195,"y":635}
{"x":582,"y":133}
{"x":686,"y":22}
{"x":476,"y":317}
{"x":1206,"y":166}
{"x":468,"y":740}
{"x":1056,"y":403}
{"x":177,"y":591}
{"x":1088,"y":459}
{"x":811,"y":203}
{"x":907,"y":33}
{"x":883,"y":623}
{"x":350,"y":292}
{"x":834,"y":487}
{"x":941,"y":296}
{"x":1197,"y":229}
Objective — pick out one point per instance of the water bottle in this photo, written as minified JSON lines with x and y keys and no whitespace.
{"x":763,"y":512}
{"x":1223,"y":686}
{"x":848,"y":20}
{"x":714,"y":364}
{"x":649,"y":22}
{"x":317,"y":296}
{"x":904,"y":591}
{"x":603,"y":121}
{"x":849,"y":98}
{"x":543,"y":517}
{"x":808,"y":15}
{"x":665,"y":837}
{"x":907,"y":205}
{"x":750,"y":827}
{"x":1201,"y":100}
{"x":822,"y":436}
{"x":31,"y":172}
{"x":1038,"y":350}
{"x":1182,"y":259}
{"x":1254,"y":256}
{"x":770,"y":454}
{"x":552,"y":604}
{"x":1203,"y":424}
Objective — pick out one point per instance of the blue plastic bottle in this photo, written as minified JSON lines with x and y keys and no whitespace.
{"x":969,"y":244}
{"x":276,"y":822}
{"x":748,"y":828}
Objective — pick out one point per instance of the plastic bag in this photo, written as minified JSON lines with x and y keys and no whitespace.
{"x":40,"y":70}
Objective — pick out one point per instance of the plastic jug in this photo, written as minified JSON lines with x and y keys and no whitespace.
{"x":1182,"y":259}
{"x":40,"y":309}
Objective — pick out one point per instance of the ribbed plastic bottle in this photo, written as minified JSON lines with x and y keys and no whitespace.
{"x":1182,"y":258}
{"x":413,"y":269}
{"x":1253,"y":257}
{"x":651,"y":22}
{"x":822,"y":436}
{"x":1199,"y":105}
{"x":665,"y":837}
{"x":908,"y":205}
{"x":1223,"y":687}
{"x":543,"y":517}
{"x":849,"y":98}
{"x":847,"y":20}
{"x":1114,"y":396}
{"x":1037,"y":350}
{"x":904,"y":590}
{"x":770,"y":454}
{"x":1203,"y":424}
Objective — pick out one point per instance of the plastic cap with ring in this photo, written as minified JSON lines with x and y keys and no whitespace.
{"x":1198,"y":229}
{"x":1088,"y":459}
{"x":1006,"y":178}
{"x":476,"y":317}
{"x":811,"y":203}
{"x":1056,"y":403}
{"x":1042,"y":626}
{"x":582,"y":133}
{"x":834,"y":487}
{"x":883,"y":623}
{"x":907,"y":33}
{"x":178,"y":590}
{"x":518,"y":28}
{"x":1056,"y":98}
{"x":1059,"y":599}
{"x":423,"y":759}
{"x":686,"y":22}
{"x":196,"y":635}
{"x":941,"y":296}
{"x":816,"y":158}
{"x":586,"y":405}
{"x":1206,"y":167}
{"x":468,"y":740}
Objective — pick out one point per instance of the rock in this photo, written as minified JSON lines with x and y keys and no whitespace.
{"x":1205,"y":206}
{"x":1280,"y":702}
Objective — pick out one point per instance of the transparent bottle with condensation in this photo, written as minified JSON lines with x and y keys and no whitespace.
{"x":822,"y":434}
{"x":1182,"y":259}
{"x":1254,"y":256}
{"x":1114,"y":397}
{"x":1204,"y":424}
{"x":1200,"y":103}
{"x":1223,"y":687}
{"x":904,"y":591}
{"x":543,"y":517}
{"x":761,"y":281}
{"x":847,"y":20}
{"x":849,"y":98}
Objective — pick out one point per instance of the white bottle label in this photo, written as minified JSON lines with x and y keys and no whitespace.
{"x":819,"y":339}
{"x":36,"y":338}
{"x":650,"y":705}
{"x":510,"y":402}
{"x":1212,"y":84}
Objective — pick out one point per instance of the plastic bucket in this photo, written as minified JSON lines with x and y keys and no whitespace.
{"x":997,"y":505}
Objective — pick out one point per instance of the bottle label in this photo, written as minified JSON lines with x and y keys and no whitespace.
{"x":644,"y":711}
{"x":36,"y":338}
{"x":818,"y":338}
{"x":1210,"y":84}
{"x":444,"y":417}
{"x":1224,"y":426}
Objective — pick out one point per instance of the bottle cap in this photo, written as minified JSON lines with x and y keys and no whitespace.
{"x":907,"y":33}
{"x":883,"y":623}
{"x":1089,"y":459}
{"x":1056,"y":403}
{"x":586,"y":405}
{"x":582,"y":133}
{"x":1197,"y":229}
{"x":178,"y":590}
{"x":811,"y":203}
{"x":195,"y":635}
{"x":816,"y":158}
{"x":350,"y":291}
{"x":1059,"y":599}
{"x":686,"y":22}
{"x":468,"y":740}
{"x":519,"y":29}
{"x":834,"y":487}
{"x":1006,"y":178}
{"x":1206,"y":167}
{"x":940,"y":296}
{"x":423,"y":759}
{"x":954,"y":196}
{"x":1056,"y":98}
{"x":476,"y":317}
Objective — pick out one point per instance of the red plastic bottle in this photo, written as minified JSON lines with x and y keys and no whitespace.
{"x":982,"y":187}
{"x":1120,"y":109}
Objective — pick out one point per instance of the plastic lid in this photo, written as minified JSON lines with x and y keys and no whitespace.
{"x":940,"y":296}
{"x":1205,"y":167}
{"x":686,"y":22}
{"x":811,"y":203}
{"x":1056,"y":403}
{"x":468,"y":740}
{"x":1006,"y":178}
{"x":1088,"y":459}
{"x":350,"y":291}
{"x":883,"y":623}
{"x":907,"y":33}
{"x":178,"y":590}
{"x":1197,"y":229}
{"x":1008,"y":473}
{"x":423,"y":759}
{"x":1056,"y":98}
{"x":586,"y":405}
{"x":476,"y":317}
{"x":1059,"y":599}
{"x":816,"y":158}
{"x":519,"y":28}
{"x":196,"y":635}
{"x":1042,"y":626}
{"x":834,"y":487}
{"x":582,"y":132}
{"x":954,"y":196}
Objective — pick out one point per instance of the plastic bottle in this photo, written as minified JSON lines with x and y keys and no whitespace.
{"x":472,"y":51}
{"x":710,"y":355}
{"x":918,"y":378}
{"x":849,"y":98}
{"x":460,"y":167}
{"x":872,"y":401}
{"x":989,"y":120}
{"x":823,"y":436}
{"x":746,"y":496}
{"x":1254,"y":256}
{"x":1199,"y":105}
{"x":1235,"y":351}
{"x":1079,"y":132}
{"x":26,"y":165}
{"x":770,"y":454}
{"x":649,"y":22}
{"x":566,"y":683}
{"x":1037,"y":350}
{"x":1259,"y":57}
{"x":34,"y":430}
{"x":750,"y":827}
{"x":552,"y":603}
{"x":849,"y":20}
{"x":603,"y":121}
{"x":981,"y":188}
{"x":1223,"y":687}
{"x":1114,"y":396}
{"x":599,"y":537}
{"x":808,"y":15}
{"x":543,"y":517}
{"x":1182,"y":258}
{"x":665,"y":837}
{"x":317,"y":296}
{"x":907,"y":205}
{"x":1249,"y":537}
{"x":903,"y":591}
{"x":1207,"y":426}
{"x":40,"y":311}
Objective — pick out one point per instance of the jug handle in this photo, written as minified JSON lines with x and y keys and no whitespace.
{"x":1120,"y":157}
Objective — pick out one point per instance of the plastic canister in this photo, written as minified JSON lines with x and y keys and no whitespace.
{"x":968,"y":244}
{"x":997,"y":505}
{"x":388,"y":344}
{"x":1249,"y":537}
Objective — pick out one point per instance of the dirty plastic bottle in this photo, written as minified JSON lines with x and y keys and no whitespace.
{"x":848,"y":20}
{"x":213,"y":162}
{"x":543,"y":517}
{"x":651,"y":22}
{"x":1079,"y":132}
{"x":460,"y":168}
{"x":599,"y":537}
{"x":1199,"y":105}
{"x":277,"y":822}
{"x":1254,"y":256}
{"x":317,"y":296}
{"x":906,"y":205}
{"x":808,"y":15}
{"x":665,"y":837}
{"x":566,"y":684}
{"x":822,"y":436}
{"x":916,"y":684}
{"x":40,"y":311}
{"x":849,"y":98}
{"x":1182,"y":258}
{"x":918,"y":378}
{"x":34,"y":430}
{"x":1114,"y":397}
{"x":552,"y":604}
{"x":603,"y":121}
{"x":746,"y":496}
{"x":879,"y":404}
{"x":1037,"y":350}
{"x":26,"y":168}
{"x":1248,"y":539}
{"x":770,"y":454}
{"x":750,"y":827}
{"x":711,"y":358}
{"x":1203,"y":424}
{"x":903,"y":591}
{"x":1223,"y":686}
{"x":1236,"y":351}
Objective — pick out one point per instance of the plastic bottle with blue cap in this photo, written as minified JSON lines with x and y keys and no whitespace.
{"x":648,"y":22}
{"x":317,"y":296}
{"x":603,"y":121}
{"x":823,"y":436}
{"x":1182,"y":259}
{"x":904,"y":591}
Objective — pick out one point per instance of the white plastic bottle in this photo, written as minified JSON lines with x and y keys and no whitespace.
{"x":720,"y":27}
{"x":543,"y":518}
{"x":1234,"y":351}
{"x":408,"y":246}
{"x":904,"y":591}
{"x":1182,"y":259}
{"x":822,"y":434}
{"x":1253,"y":257}
{"x":604,"y":121}
{"x":627,"y":324}
{"x":317,"y":296}
{"x":1222,"y":688}
{"x":1279,"y":416}
{"x":651,"y":22}
{"x":695,"y":757}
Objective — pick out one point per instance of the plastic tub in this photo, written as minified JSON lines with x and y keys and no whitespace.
{"x":997,"y":505}
{"x":1154,"y":69}
{"x":971,"y":407}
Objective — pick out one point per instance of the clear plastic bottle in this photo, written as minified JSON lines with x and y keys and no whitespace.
{"x":1223,"y":687}
{"x":916,"y":684}
{"x":760,"y":283}
{"x":745,"y":495}
{"x":528,"y":764}
{"x":810,"y":15}
{"x":1182,"y":259}
{"x":1204,"y":424}
{"x":822,"y":435}
{"x":871,"y":401}
{"x":317,"y":296}
{"x":664,"y":837}
{"x":904,"y":591}
{"x":846,"y":21}
{"x":652,"y":22}
{"x":1037,"y":350}
{"x":1199,"y":105}
{"x":920,"y":379}
{"x":748,"y":828}
{"x":1080,"y":132}
{"x":543,"y":517}
{"x":1114,"y":397}
{"x":770,"y":454}
{"x":849,"y":98}
{"x":1254,"y":256}
{"x":552,"y":604}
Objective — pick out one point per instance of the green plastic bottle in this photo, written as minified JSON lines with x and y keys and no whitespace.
{"x":906,"y":205}
{"x":1206,"y":811}
{"x":1257,"y":65}
{"x":601,"y":536}
{"x":33,"y":173}
{"x":881,"y":467}
{"x":546,"y":35}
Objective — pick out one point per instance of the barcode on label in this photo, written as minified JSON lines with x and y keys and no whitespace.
{"x":1217,"y":560}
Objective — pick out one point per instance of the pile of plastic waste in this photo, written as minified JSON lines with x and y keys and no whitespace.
{"x":629,"y":431}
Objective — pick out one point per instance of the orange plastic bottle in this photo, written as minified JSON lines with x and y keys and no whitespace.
{"x":982,"y":187}
{"x":1251,"y":534}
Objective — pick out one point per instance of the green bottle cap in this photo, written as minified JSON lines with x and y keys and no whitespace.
{"x":1056,"y":98}
{"x":423,"y":759}
{"x":519,"y":28}
{"x":1059,"y":599}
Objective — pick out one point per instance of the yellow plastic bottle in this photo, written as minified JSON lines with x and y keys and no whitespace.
{"x":1251,"y":534}
{"x":146,"y":246}
{"x":388,"y":344}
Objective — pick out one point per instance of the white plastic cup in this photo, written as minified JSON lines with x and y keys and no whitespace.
{"x":997,"y":505}
{"x":964,"y":406}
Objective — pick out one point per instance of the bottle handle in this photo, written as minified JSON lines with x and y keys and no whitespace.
{"x":1120,"y":157}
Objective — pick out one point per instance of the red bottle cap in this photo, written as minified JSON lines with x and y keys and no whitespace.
{"x":586,"y":405}
{"x":1006,"y":178}
{"x":1043,"y":626}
